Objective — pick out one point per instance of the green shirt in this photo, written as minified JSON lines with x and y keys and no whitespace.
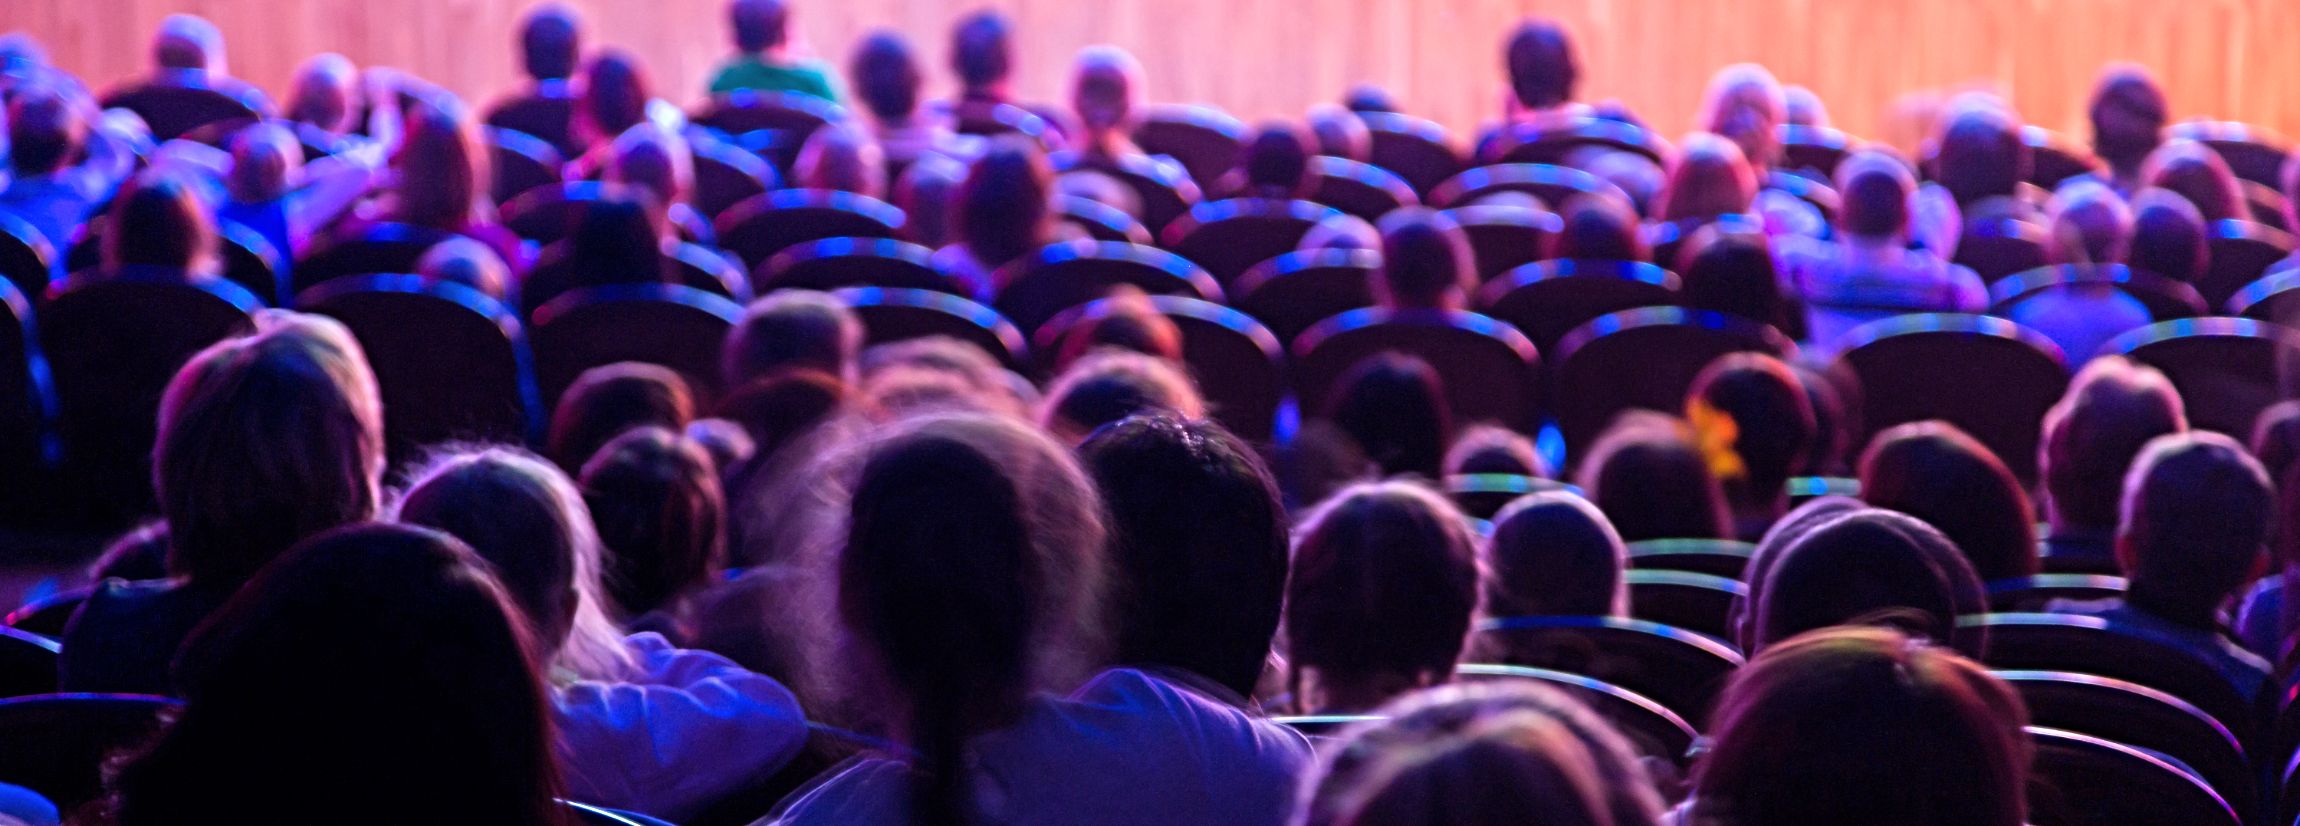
{"x":753,"y":72}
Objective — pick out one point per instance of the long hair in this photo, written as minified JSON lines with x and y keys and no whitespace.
{"x":442,"y":171}
{"x":1648,"y":474}
{"x":373,"y":675}
{"x":525,"y":518}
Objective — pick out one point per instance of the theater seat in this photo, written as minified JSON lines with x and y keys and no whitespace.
{"x":674,"y":326}
{"x":1292,"y":292}
{"x":28,"y":446}
{"x":2165,"y":298}
{"x":833,"y":263}
{"x":1990,"y":377}
{"x":772,"y":124}
{"x":889,"y":314}
{"x":47,"y":615}
{"x":1677,"y":668}
{"x":756,"y":229}
{"x":1237,"y":362}
{"x":726,"y":175}
{"x":1487,"y":365}
{"x":1484,"y":495}
{"x":2091,"y":645}
{"x":378,"y":248}
{"x":2227,"y":369}
{"x":1645,"y":358}
{"x":2080,"y":780}
{"x":411,"y":330}
{"x":2254,"y":154}
{"x":1041,"y":285}
{"x":586,"y":814}
{"x":1815,"y":150}
{"x":1700,"y":603}
{"x":1716,"y":557}
{"x":2056,"y":158}
{"x":1205,"y":140}
{"x":1100,"y":221}
{"x":57,"y":744}
{"x":1652,"y":728}
{"x":1554,"y":185}
{"x":2033,"y":593}
{"x":183,"y":100}
{"x":2139,"y":716}
{"x":1230,"y":237}
{"x":1555,"y":140}
{"x":27,"y":663}
{"x":518,"y":162}
{"x":1505,"y":237}
{"x":27,"y":260}
{"x":1997,"y":247}
{"x":550,"y":213}
{"x":1162,"y":185}
{"x":1360,"y":189}
{"x":1418,"y":150}
{"x":1548,"y":299}
{"x":2242,"y":252}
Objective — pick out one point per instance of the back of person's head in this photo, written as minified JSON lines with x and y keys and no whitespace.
{"x":1937,"y":473}
{"x":927,"y":193}
{"x":1745,"y":104}
{"x":1483,"y":754}
{"x":2198,"y":174}
{"x":614,"y":94}
{"x":1489,"y":448}
{"x":1274,"y":162}
{"x":45,"y":131}
{"x":982,"y":49}
{"x":441,"y":170}
{"x":1426,"y":261}
{"x":1105,"y":88}
{"x":1554,"y":553}
{"x":467,"y":262}
{"x":1981,"y":151}
{"x":1864,"y":725}
{"x":1542,"y":66}
{"x":1876,"y":187}
{"x":1383,"y":589}
{"x":265,"y":160}
{"x":1710,"y":178}
{"x":1648,"y":476}
{"x":159,"y":220}
{"x":1368,"y":97}
{"x":526,"y":518}
{"x":759,"y":25}
{"x":1804,"y":107}
{"x":2128,"y":114}
{"x":2090,"y":224}
{"x":781,"y":407}
{"x":266,"y":439}
{"x":1600,"y":227}
{"x":378,"y":664}
{"x":1109,"y":385}
{"x":1002,"y":211}
{"x":1868,"y":567}
{"x":653,"y":160}
{"x":2289,"y":187}
{"x":655,"y":496}
{"x":2276,"y":443}
{"x":550,"y":41}
{"x":618,"y":239}
{"x":1730,"y":270}
{"x":1784,"y":533}
{"x":2168,"y":236}
{"x":188,"y":41}
{"x":1394,"y":407}
{"x":325,"y":93}
{"x":605,"y":401}
{"x":935,"y":372}
{"x":792,"y":328}
{"x":841,"y":157}
{"x":1340,"y":132}
{"x":886,"y":76}
{"x":1198,"y":546}
{"x":1756,"y":425}
{"x":970,"y":569}
{"x":2198,"y":511}
{"x":2112,"y":409}
{"x":1128,"y":321}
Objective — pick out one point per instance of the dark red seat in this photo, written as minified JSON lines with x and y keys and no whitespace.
{"x":756,"y":229}
{"x":2055,"y":158}
{"x":1504,"y":237}
{"x":58,"y":744}
{"x":994,"y":119}
{"x":27,"y":260}
{"x":113,"y":346}
{"x":28,"y":448}
{"x":1652,"y":728}
{"x":773,"y":124}
{"x":379,"y":248}
{"x":1820,"y":196}
{"x":1100,"y":221}
{"x":1230,"y":237}
{"x":2273,"y":298}
{"x":726,"y":175}
{"x":1551,"y":141}
{"x":1716,"y":557}
{"x":1237,"y":362}
{"x":1815,"y":150}
{"x":1554,"y":185}
{"x":1205,"y":140}
{"x":1990,"y":377}
{"x":2096,"y":646}
{"x":1677,"y":668}
{"x":2139,"y":716}
{"x":899,"y":315}
{"x":1294,"y":291}
{"x":833,"y":263}
{"x":2081,"y":780}
{"x":2227,"y":369}
{"x":545,"y":111}
{"x":1645,"y":358}
{"x":1041,"y":285}
{"x":1483,"y":495}
{"x":1418,"y":150}
{"x":2242,"y":252}
{"x":709,"y":269}
{"x":2253,"y":153}
{"x":1701,"y":603}
{"x":1547,"y":299}
{"x":2165,"y":298}
{"x":1360,"y":189}
{"x":691,"y":265}
{"x":412,"y":332}
{"x":1997,"y":247}
{"x":1665,"y":240}
{"x":1162,"y":185}
{"x":2267,"y":205}
{"x":519,"y":162}
{"x":674,"y":326}
{"x":1488,"y":366}
{"x":183,"y":100}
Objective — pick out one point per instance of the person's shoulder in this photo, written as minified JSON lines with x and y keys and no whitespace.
{"x":1137,"y":692}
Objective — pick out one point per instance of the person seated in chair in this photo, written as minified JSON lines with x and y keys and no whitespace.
{"x":765,"y":58}
{"x":1869,"y":271}
{"x":2194,"y":529}
{"x":1646,"y":472}
{"x":272,"y":191}
{"x":2128,"y":113}
{"x":550,"y":49}
{"x":657,"y":163}
{"x":1382,"y":595}
{"x":2168,"y":236}
{"x":2199,"y":174}
{"x":1981,"y":160}
{"x":2089,"y":224}
{"x":1001,"y":214}
{"x":1106,"y":94}
{"x":64,"y":160}
{"x":2112,"y":409}
{"x":1754,"y":424}
{"x":982,"y":55}
{"x":1746,"y":105}
{"x":886,"y":82}
{"x":188,"y":48}
{"x":159,"y":221}
{"x":1273,"y":164}
{"x":841,"y":158}
{"x":326,"y":96}
{"x":1553,"y":554}
{"x":1710,"y":179}
{"x":1544,"y":69}
{"x":1340,"y":133}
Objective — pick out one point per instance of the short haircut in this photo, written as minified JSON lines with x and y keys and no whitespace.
{"x":1106,"y":87}
{"x":1601,"y":227}
{"x":1937,"y":473}
{"x":1542,"y":66}
{"x":1868,"y":567}
{"x":1745,"y":104}
{"x":550,"y":41}
{"x":841,"y":157}
{"x":1110,"y":385}
{"x":1394,"y":408}
{"x":1731,"y":270}
{"x":1876,"y":187}
{"x":1981,"y":152}
{"x":1554,"y":553}
{"x":1384,"y":583}
{"x":159,"y":220}
{"x":188,"y":41}
{"x":2199,"y":174}
{"x":759,"y":25}
{"x":2196,"y":519}
{"x":1425,"y":257}
{"x":614,"y":92}
{"x":605,"y":401}
{"x":1276,"y":159}
{"x":2090,"y":224}
{"x":791,"y":328}
{"x":885,"y":75}
{"x":2128,"y":114}
{"x":2168,"y":235}
{"x":44,"y":131}
{"x":1198,"y":542}
{"x":1710,"y":178}
{"x":2112,"y":409}
{"x":982,"y":49}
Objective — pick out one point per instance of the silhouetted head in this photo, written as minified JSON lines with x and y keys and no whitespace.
{"x":1745,"y":104}
{"x":1106,"y":89}
{"x":1113,"y":384}
{"x":1554,"y":553}
{"x":841,"y":158}
{"x":2090,"y":224}
{"x":326,"y":93}
{"x":2128,"y":114}
{"x":159,"y":220}
{"x":1937,"y":473}
{"x":661,"y":515}
{"x":1875,"y":186}
{"x":1729,"y":269}
{"x":1384,"y":586}
{"x":605,"y":401}
{"x":2197,"y":515}
{"x":1426,"y":261}
{"x":792,"y":329}
{"x":886,"y":77}
{"x":2168,"y":236}
{"x":1002,"y":208}
{"x":1541,"y":62}
{"x":1981,"y":151}
{"x":982,"y":50}
{"x":2112,"y":408}
{"x":266,"y":160}
{"x":45,"y":131}
{"x":1340,"y":133}
{"x":1755,"y":426}
{"x":1393,"y":406}
{"x":1648,"y":475}
{"x":1601,"y":227}
{"x":2198,"y":174}
{"x":188,"y":41}
{"x":1711,"y":178}
{"x":1274,"y":162}
{"x":759,"y":25}
{"x":614,"y":96}
{"x":550,"y":41}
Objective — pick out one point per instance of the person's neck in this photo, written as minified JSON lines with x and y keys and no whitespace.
{"x":2175,"y":611}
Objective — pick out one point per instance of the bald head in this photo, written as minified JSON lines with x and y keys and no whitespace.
{"x":265,"y":159}
{"x":550,"y":41}
{"x":759,"y":25}
{"x":188,"y":41}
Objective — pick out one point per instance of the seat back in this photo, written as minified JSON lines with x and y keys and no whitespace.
{"x":2253,"y":153}
{"x":518,"y":162}
{"x":2227,"y":369}
{"x":1294,"y":291}
{"x":2056,"y":158}
{"x":251,"y":261}
{"x":1716,"y":557}
{"x":1644,"y":358}
{"x":1652,"y":728}
{"x":411,"y":330}
{"x":27,"y":663}
{"x":382,"y":248}
{"x":1996,"y":247}
{"x":832,"y":263}
{"x":1554,"y":185}
{"x":1487,"y":365}
{"x":2242,"y":252}
{"x":28,"y":446}
{"x":1815,"y":149}
{"x":1230,"y":237}
{"x":2275,"y":298}
{"x":1483,"y":495}
{"x":1237,"y":362}
{"x":775,"y":124}
{"x":113,"y":346}
{"x":1677,"y":668}
{"x":1554,"y":140}
{"x":890,"y":314}
{"x":710,"y":270}
{"x":1205,"y":140}
{"x":2139,"y":716}
{"x":1041,"y":285}
{"x":2165,"y":298}
{"x":1701,"y":603}
{"x":549,"y":214}
{"x":1918,"y":367}
{"x":1665,"y":240}
{"x":1548,"y":299}
{"x":756,"y":229}
{"x":1360,"y":189}
{"x":726,"y":175}
{"x":994,"y":119}
{"x":1417,"y":150}
{"x":27,"y":260}
{"x":1504,"y":237}
{"x":2034,"y":593}
{"x":1163,"y":186}
{"x":183,"y":100}
{"x":2091,"y":645}
{"x":2081,"y":780}
{"x":545,"y":112}
{"x":675,"y":326}
{"x":57,"y":744}
{"x":1100,"y":221}
{"x":47,"y":615}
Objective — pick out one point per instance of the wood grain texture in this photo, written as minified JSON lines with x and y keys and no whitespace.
{"x":1872,"y":61}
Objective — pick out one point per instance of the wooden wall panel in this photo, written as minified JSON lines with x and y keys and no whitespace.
{"x":1262,"y":58}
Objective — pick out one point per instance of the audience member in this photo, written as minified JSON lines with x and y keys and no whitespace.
{"x":1937,"y":473}
{"x":1391,"y":411}
{"x":886,"y":82}
{"x":1106,"y":93}
{"x":841,"y":158}
{"x":927,"y":192}
{"x":1710,"y":179}
{"x":606,"y":401}
{"x":2197,"y":173}
{"x":1554,"y":553}
{"x":1273,"y":164}
{"x":1384,"y":586}
{"x":1340,"y":133}
{"x":189,"y":50}
{"x":1729,"y":268}
{"x":613,"y":98}
{"x":550,"y":49}
{"x":765,"y":58}
{"x":2128,"y":114}
{"x":2168,"y":236}
{"x":2112,"y":408}
{"x":1600,"y":228}
{"x":1000,"y":214}
{"x":1427,"y":263}
{"x":1869,"y":272}
{"x":1868,"y":567}
{"x":1649,"y":476}
{"x":466,"y":262}
{"x":792,"y":329}
{"x":1489,"y":448}
{"x":1754,"y":425}
{"x":50,"y":184}
{"x":1112,"y":384}
{"x":1982,"y":160}
{"x":440,"y":181}
{"x":326,"y":95}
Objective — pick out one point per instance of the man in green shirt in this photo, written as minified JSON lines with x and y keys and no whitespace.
{"x":764,"y":62}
